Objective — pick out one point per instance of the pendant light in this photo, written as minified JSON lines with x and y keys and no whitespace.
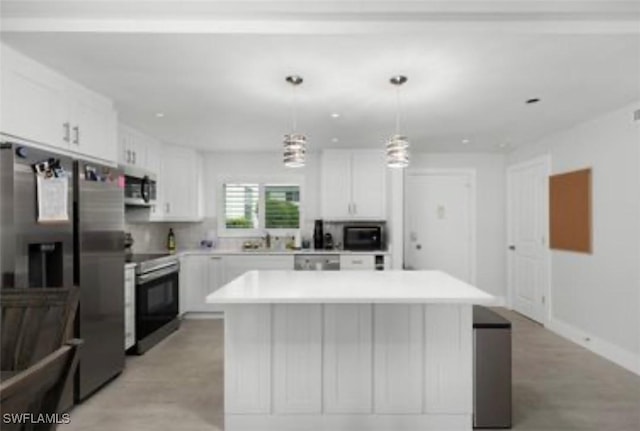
{"x":295,"y":144}
{"x":398,"y":145}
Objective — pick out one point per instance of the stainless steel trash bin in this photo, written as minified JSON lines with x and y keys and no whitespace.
{"x":492,"y":369}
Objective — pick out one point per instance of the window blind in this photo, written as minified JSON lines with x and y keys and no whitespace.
{"x":282,"y":207}
{"x":241,"y":206}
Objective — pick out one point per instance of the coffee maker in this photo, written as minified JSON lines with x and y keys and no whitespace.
{"x":318,"y":235}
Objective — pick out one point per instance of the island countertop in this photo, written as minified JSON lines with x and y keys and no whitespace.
{"x":348,"y":287}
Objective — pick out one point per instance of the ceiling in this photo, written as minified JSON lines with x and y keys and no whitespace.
{"x":222,"y":91}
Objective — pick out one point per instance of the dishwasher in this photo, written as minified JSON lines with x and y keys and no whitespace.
{"x":317,"y":262}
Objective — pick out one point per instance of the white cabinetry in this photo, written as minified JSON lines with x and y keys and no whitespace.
{"x":200,"y":275}
{"x":353,"y":185}
{"x":180,"y":182}
{"x":203,"y":274}
{"x":41,"y":106}
{"x":236,"y":265}
{"x":357,"y":262}
{"x":129,"y":308}
{"x":132,"y":147}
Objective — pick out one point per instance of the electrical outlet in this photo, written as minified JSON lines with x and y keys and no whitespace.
{"x":636,"y":115}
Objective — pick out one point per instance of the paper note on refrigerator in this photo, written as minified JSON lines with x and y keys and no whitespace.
{"x":53,"y":199}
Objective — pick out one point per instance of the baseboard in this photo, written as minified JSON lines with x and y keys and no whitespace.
{"x":613,"y":353}
{"x":203,"y":315}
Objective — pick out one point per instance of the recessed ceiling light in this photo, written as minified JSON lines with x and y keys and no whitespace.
{"x":335,"y":115}
{"x":159,"y":114}
{"x":502,"y":145}
{"x":532,"y":101}
{"x":334,"y":140}
{"x":465,"y":141}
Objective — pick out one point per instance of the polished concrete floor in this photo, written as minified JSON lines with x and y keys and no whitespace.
{"x":177,"y":386}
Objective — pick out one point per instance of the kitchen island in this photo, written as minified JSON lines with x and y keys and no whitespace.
{"x":348,"y":350}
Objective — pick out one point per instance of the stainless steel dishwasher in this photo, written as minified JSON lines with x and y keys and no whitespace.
{"x":317,"y":262}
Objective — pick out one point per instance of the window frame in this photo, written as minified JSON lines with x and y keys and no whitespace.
{"x":262,"y":182}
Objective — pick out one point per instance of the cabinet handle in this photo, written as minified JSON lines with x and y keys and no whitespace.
{"x":67,"y":132}
{"x":355,"y":209}
{"x":349,"y":208}
{"x":356,"y":262}
{"x":76,"y":131}
{"x":216,"y":258}
{"x":134,"y":157}
{"x":166,"y":208}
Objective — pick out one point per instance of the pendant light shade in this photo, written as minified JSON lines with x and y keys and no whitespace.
{"x":398,"y":145}
{"x":398,"y":152}
{"x":295,"y":150}
{"x":294,"y":144}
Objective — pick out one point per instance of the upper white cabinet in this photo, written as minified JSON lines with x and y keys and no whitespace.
{"x":132,"y":147}
{"x":180,"y":185}
{"x":353,"y":185}
{"x":42,"y":106}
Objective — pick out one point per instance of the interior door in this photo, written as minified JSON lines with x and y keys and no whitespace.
{"x":440,"y":223}
{"x":528,"y":227}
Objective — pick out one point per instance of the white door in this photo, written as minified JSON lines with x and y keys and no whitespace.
{"x":528,"y":257}
{"x":440,"y":233}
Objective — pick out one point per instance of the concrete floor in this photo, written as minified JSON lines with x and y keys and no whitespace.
{"x":557,"y":386}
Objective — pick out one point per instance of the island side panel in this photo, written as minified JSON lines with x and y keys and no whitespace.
{"x":448,"y":360}
{"x":348,"y":358}
{"x":297,"y":359}
{"x":247,"y":359}
{"x":398,"y":358}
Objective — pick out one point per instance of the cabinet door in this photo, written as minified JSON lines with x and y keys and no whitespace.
{"x":129,"y":308}
{"x":357,"y":262}
{"x":33,"y":104}
{"x":368,"y":184}
{"x":194,"y":278}
{"x":215,"y":280}
{"x":336,"y":184}
{"x":181,"y":190}
{"x":93,"y":128}
{"x":132,"y":147}
{"x":235,"y":266}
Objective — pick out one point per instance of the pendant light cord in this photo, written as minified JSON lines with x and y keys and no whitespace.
{"x":397,"y":110}
{"x":294,"y":118}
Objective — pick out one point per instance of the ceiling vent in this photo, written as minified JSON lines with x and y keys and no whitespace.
{"x":636,"y":115}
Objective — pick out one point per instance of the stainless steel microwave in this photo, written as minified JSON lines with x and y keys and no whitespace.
{"x":363,"y":237}
{"x":139,"y":187}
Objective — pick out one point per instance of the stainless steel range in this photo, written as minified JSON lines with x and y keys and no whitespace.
{"x":157,"y":293}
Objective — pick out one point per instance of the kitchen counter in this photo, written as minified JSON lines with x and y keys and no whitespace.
{"x":352,"y":287}
{"x":276,"y":252}
{"x":348,"y":350}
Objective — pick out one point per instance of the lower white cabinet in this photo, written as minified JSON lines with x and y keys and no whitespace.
{"x":357,"y":262}
{"x":129,"y":308}
{"x":203,"y":274}
{"x":200,"y":275}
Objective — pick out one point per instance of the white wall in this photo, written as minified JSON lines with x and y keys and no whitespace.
{"x":490,"y":211}
{"x":598,"y":295}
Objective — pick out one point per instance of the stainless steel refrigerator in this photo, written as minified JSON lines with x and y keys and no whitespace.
{"x":86,"y":248}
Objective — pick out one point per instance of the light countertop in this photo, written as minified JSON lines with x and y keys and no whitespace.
{"x":352,"y":287}
{"x":215,"y":251}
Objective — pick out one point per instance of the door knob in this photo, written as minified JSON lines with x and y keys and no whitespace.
{"x":418,"y":246}
{"x":512,"y":247}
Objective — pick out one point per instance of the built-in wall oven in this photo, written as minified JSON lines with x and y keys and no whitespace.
{"x":157,"y":306}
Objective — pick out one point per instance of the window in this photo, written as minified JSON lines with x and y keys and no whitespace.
{"x":249,"y":208}
{"x":241,"y":206}
{"x":282,"y":207}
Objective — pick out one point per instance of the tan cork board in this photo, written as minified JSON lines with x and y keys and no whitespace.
{"x":570,"y":211}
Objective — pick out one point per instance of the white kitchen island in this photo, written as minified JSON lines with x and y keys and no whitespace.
{"x":348,"y":350}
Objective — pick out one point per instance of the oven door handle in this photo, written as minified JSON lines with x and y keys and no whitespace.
{"x":168,"y":269}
